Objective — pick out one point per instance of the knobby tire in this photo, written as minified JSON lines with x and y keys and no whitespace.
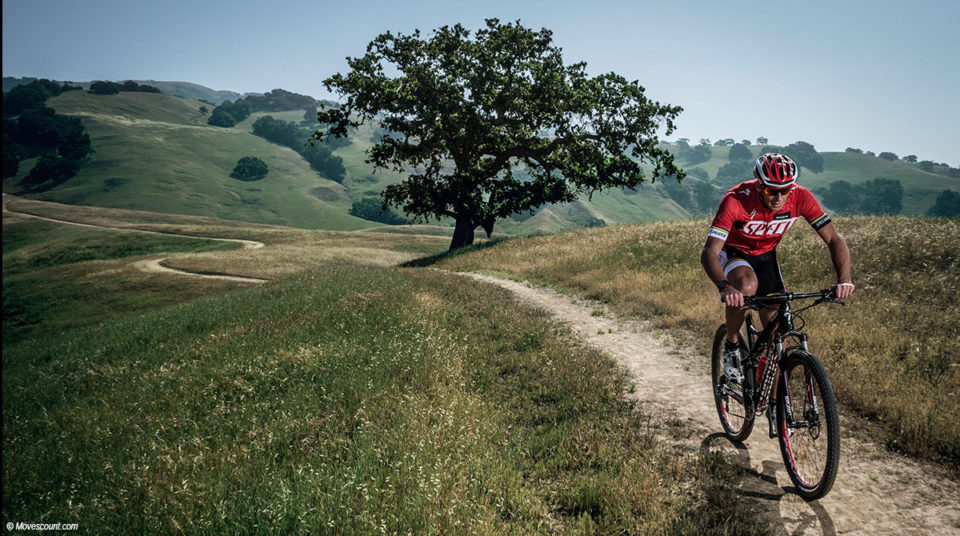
{"x":810,"y":441}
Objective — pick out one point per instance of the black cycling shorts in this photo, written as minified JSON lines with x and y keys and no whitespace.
{"x":769,"y":278}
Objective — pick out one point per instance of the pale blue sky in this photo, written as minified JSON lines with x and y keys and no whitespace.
{"x":879,"y":75}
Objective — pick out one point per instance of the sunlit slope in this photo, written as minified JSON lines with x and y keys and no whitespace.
{"x":156,"y":153}
{"x":920,"y":188}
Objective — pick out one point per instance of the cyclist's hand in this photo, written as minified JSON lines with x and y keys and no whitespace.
{"x":843,"y":290}
{"x":731,"y":296}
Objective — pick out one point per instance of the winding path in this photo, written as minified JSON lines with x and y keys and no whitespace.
{"x":876,"y":492}
{"x":156,"y":264}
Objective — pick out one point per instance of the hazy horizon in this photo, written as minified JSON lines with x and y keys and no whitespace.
{"x":879,"y":76}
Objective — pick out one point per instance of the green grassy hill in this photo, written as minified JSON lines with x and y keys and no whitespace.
{"x":920,"y":188}
{"x":156,"y":153}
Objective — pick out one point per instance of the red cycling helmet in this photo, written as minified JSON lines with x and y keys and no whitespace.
{"x":776,"y":170}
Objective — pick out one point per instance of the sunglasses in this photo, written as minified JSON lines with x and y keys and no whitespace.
{"x":777,"y":191}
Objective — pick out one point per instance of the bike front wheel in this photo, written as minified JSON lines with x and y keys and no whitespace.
{"x":733,"y":408}
{"x":808,"y":425}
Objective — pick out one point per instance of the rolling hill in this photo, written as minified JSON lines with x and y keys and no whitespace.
{"x":156,"y":152}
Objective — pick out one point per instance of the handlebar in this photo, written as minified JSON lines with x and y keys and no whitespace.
{"x":759,"y":302}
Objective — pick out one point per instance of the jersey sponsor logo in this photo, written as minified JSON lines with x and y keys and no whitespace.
{"x":820,"y":222}
{"x":718,"y":232}
{"x":782,"y":216}
{"x":763,"y":228}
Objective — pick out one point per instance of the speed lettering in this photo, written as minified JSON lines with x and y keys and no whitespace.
{"x":763,"y":228}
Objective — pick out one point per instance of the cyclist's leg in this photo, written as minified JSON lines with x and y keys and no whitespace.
{"x":741,"y":275}
{"x":769,"y":281}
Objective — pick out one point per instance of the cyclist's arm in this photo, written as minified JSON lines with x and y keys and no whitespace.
{"x":840,"y":255}
{"x":710,"y":259}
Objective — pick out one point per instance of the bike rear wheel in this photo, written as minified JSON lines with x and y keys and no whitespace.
{"x":735,"y":414}
{"x":808,"y":425}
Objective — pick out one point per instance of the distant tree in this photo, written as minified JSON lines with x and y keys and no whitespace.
{"x":854,"y":150}
{"x":130,"y":85}
{"x":805,"y":155}
{"x":699,"y":173}
{"x":683,"y":144}
{"x":726,"y":142}
{"x":679,"y":192}
{"x":697,"y":155}
{"x":27,"y":96}
{"x":740,"y":153}
{"x":953,"y":173}
{"x":473,"y":109}
{"x":221,"y":118}
{"x":881,"y":197}
{"x":322,"y":160}
{"x":729,"y":175}
{"x":761,"y":141}
{"x":229,"y":113}
{"x":101,"y":87}
{"x":705,"y":141}
{"x":707,"y":197}
{"x":841,"y":196}
{"x":250,"y":168}
{"x":279,"y":100}
{"x":912,"y":158}
{"x":12,"y":154}
{"x":888,"y":156}
{"x":204,"y":110}
{"x":50,"y":171}
{"x":869,"y":153}
{"x":947,"y":205}
{"x":372,"y":209}
{"x":683,"y":140}
{"x":745,"y":142}
{"x":926,"y":165}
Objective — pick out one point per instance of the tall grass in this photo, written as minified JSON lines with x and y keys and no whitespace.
{"x":349,"y":399}
{"x":893,"y":353}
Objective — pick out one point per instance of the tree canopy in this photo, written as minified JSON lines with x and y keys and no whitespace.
{"x":467,"y":111}
{"x":250,"y":168}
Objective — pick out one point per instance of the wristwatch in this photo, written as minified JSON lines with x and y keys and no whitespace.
{"x":722,"y":285}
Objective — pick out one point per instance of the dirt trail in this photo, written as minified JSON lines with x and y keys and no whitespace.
{"x":156,"y":264}
{"x":876,"y":492}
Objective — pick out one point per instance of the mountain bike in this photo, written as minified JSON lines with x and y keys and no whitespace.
{"x":782,"y":378}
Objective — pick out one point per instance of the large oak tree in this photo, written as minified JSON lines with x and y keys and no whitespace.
{"x":492,"y":124}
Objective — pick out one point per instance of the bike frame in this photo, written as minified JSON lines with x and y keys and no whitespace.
{"x":777,"y":330}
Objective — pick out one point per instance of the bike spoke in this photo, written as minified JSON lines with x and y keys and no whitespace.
{"x":806,"y":445}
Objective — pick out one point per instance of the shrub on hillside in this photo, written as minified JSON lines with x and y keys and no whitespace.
{"x":101,"y":87}
{"x":372,"y":209}
{"x":740,"y":153}
{"x":881,"y":197}
{"x":946,"y":206}
{"x":841,"y":196}
{"x":229,"y":113}
{"x":250,"y":168}
{"x":805,"y":155}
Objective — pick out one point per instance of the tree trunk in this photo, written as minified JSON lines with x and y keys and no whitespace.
{"x":463,"y":233}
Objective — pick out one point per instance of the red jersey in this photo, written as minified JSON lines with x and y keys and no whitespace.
{"x":745,"y":223}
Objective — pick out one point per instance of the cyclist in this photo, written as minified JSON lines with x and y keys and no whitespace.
{"x":740,"y":254}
